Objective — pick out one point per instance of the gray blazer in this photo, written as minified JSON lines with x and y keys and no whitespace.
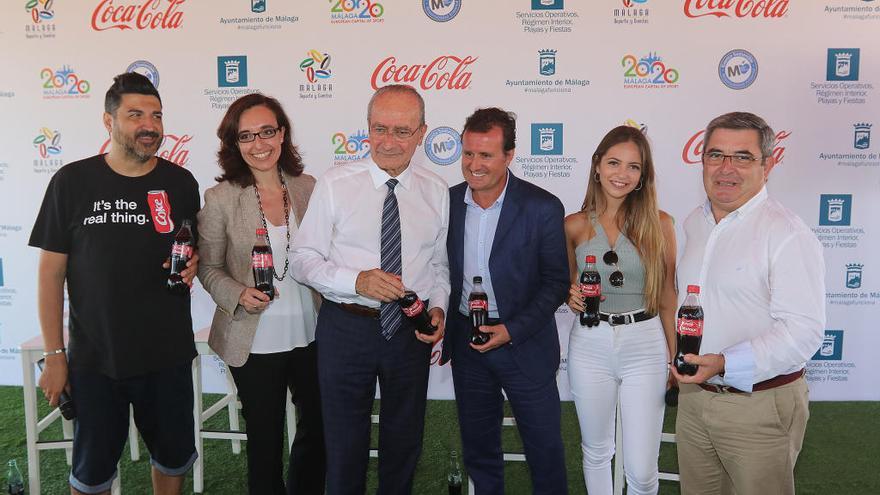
{"x":226,"y":227}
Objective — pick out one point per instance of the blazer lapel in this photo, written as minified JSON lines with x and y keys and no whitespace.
{"x":249,"y":212}
{"x":509,"y":213}
{"x":458,"y":211}
{"x":297,"y":196}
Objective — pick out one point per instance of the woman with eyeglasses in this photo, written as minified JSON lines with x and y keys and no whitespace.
{"x":625,"y":357}
{"x":268,"y":344}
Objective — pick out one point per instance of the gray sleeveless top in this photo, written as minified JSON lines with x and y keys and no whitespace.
{"x":631,"y":296}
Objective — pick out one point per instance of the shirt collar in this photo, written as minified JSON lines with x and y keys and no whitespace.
{"x":743,"y":210}
{"x":469,"y":196}
{"x":380,"y":177}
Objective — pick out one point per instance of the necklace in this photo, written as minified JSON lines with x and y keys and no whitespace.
{"x":286,"y":224}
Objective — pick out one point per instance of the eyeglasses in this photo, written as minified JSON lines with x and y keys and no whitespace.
{"x":247,"y":137}
{"x":616,"y":278}
{"x":400,"y":133}
{"x":740,"y":159}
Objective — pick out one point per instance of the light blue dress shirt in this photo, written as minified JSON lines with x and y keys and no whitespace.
{"x":479,"y":234}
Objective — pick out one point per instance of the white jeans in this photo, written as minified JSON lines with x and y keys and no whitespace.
{"x":629,"y":362}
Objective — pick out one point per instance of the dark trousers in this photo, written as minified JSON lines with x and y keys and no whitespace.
{"x":262,"y":384}
{"x":478,"y":380}
{"x":352,"y":353}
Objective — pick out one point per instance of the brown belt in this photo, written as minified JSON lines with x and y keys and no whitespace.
{"x":357,"y":309}
{"x":776,"y":381}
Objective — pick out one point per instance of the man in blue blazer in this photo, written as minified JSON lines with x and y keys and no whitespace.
{"x":510,"y":233}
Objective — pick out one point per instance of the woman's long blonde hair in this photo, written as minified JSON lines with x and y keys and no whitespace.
{"x":639,"y":217}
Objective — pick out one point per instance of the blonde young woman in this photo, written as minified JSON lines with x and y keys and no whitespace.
{"x":625,"y":357}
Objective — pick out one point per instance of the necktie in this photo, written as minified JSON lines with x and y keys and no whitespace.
{"x":390,"y":315}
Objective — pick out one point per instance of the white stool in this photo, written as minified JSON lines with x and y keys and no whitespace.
{"x":619,"y":478}
{"x":31,"y":352}
{"x":230,"y":402}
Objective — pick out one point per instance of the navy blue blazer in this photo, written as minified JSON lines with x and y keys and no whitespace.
{"x":529,"y":268}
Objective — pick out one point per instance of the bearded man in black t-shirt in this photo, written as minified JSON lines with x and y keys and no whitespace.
{"x":105,"y":228}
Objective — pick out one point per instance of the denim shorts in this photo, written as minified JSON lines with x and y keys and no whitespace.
{"x":163,"y":413}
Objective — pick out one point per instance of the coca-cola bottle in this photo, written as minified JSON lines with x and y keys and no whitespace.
{"x":264,"y":267}
{"x":414,"y":308}
{"x":478,"y":305}
{"x":454,"y":477}
{"x":14,"y":481}
{"x":181,"y":253}
{"x":591,"y":291}
{"x":688,"y":330}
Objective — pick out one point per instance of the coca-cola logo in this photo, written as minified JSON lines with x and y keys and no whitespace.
{"x":693,"y":149}
{"x":160,"y":210}
{"x":161,"y":214}
{"x":736,"y":8}
{"x":591,"y":290}
{"x":687,"y":326}
{"x":151,"y":14}
{"x":173,"y":148}
{"x":477,"y":304}
{"x":444,"y":72}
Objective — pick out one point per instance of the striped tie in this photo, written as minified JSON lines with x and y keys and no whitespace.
{"x":390,"y":314}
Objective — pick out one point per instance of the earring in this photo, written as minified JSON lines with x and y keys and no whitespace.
{"x":640,"y":186}
{"x":597,"y":177}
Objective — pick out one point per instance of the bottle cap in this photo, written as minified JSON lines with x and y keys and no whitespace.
{"x":478,"y":280}
{"x":693,"y":289}
{"x":590,"y":258}
{"x":261,"y":232}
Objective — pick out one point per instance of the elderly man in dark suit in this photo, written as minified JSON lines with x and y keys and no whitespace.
{"x":510,"y":233}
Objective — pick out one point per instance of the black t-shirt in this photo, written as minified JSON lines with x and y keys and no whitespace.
{"x":116,"y":232}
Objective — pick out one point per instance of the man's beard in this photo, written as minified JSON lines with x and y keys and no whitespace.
{"x":135,"y":150}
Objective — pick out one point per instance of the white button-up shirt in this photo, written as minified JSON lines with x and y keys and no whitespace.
{"x":762,"y":287}
{"x":339,"y":236}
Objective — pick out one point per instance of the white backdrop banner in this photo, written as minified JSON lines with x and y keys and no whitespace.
{"x":570,"y":69}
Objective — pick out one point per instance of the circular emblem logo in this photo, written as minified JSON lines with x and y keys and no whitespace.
{"x":443,"y":146}
{"x":441,"y":10}
{"x":147,"y":69}
{"x":738,"y":69}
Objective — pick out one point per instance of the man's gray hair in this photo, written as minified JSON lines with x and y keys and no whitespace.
{"x":398,"y":88}
{"x":745,"y":120}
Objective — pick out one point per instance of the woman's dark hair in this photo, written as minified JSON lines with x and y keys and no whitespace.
{"x":235,"y":169}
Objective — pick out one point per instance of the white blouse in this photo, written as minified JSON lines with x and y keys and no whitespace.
{"x":289,"y":320}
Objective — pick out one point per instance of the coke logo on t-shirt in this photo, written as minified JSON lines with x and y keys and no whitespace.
{"x":415,"y":309}
{"x":687,"y":326}
{"x":478,"y":304}
{"x":591,"y":290}
{"x":182,"y":250}
{"x":160,"y":209}
{"x":262,"y":260}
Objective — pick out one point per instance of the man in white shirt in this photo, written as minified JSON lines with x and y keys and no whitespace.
{"x":742,"y":416}
{"x":373,"y":228}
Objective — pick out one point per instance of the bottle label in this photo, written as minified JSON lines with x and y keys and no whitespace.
{"x":478,"y":304}
{"x":262,"y":260}
{"x":591,"y":290}
{"x":160,"y":210}
{"x":415,"y":309}
{"x":687,"y":326}
{"x":182,"y":250}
